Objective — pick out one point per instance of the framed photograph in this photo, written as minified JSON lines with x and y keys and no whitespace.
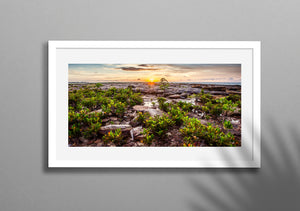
{"x":154,"y":104}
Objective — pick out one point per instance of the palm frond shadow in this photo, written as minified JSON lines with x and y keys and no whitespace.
{"x":251,"y":189}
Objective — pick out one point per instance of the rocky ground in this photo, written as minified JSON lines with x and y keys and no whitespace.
{"x":150,"y":92}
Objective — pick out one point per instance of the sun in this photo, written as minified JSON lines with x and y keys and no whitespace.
{"x":151,"y":80}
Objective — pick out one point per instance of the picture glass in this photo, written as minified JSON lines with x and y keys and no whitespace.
{"x":154,"y":105}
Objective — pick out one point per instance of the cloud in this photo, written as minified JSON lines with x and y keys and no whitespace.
{"x":142,"y":72}
{"x":136,"y":69}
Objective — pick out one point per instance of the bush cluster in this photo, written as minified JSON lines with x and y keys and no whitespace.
{"x":194,"y":133}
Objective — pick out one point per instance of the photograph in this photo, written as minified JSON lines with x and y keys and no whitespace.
{"x":154,"y":105}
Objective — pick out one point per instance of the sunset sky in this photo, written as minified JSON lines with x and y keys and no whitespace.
{"x":154,"y":72}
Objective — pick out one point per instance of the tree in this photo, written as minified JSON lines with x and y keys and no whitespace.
{"x":164,"y":84}
{"x":98,"y":85}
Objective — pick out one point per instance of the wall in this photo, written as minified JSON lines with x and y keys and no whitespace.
{"x":27,"y":184}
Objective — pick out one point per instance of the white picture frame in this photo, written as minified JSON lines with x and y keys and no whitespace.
{"x":62,"y":53}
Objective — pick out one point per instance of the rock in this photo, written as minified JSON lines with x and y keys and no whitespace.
{"x":131,"y":86}
{"x":139,"y":144}
{"x":234,"y":92}
{"x":234,"y":88}
{"x":113,"y":118}
{"x":218,"y":93}
{"x":96,"y":111}
{"x":184,"y":95}
{"x":176,"y":96}
{"x":105,"y":120}
{"x":234,"y":114}
{"x":197,"y":86}
{"x":111,"y":145}
{"x":134,"y":122}
{"x":141,"y":108}
{"x":98,"y":141}
{"x":135,"y":132}
{"x":159,"y":91}
{"x":235,"y":122}
{"x":107,"y":128}
{"x":155,"y":112}
{"x":215,"y":88}
{"x":83,"y":140}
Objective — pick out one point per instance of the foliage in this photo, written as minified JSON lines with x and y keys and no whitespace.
{"x":92,"y":130}
{"x":177,"y":115}
{"x":227,"y":124}
{"x":193,"y":131}
{"x":164,"y":84}
{"x":204,"y":98}
{"x":159,"y":126}
{"x":185,"y":106}
{"x":98,"y":85}
{"x":142,"y":117}
{"x":148,"y":137}
{"x":84,"y":124}
{"x":162,"y":104}
{"x":113,"y":137}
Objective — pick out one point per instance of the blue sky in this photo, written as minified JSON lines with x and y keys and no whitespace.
{"x":153,"y":72}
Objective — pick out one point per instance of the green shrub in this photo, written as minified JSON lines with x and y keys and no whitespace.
{"x":227,"y":124}
{"x":89,"y":102}
{"x":142,"y":117}
{"x":84,"y":123}
{"x":113,"y":137}
{"x":234,"y":97}
{"x":120,"y":108}
{"x":185,"y":106}
{"x":92,"y":130}
{"x":159,"y":125}
{"x":162,"y":104}
{"x":164,"y":84}
{"x":177,"y":115}
{"x":98,"y":85}
{"x":204,"y":98}
{"x":193,"y":131}
{"x":148,"y":137}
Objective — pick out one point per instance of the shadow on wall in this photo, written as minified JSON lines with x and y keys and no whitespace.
{"x":273,"y":187}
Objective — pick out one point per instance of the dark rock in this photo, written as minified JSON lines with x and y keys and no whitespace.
{"x":113,"y":118}
{"x":234,"y":92}
{"x":184,"y":95}
{"x":215,"y":88}
{"x":105,"y":120}
{"x":83,"y":140}
{"x":197,"y":86}
{"x":218,"y":93}
{"x":131,"y":86}
{"x":176,"y":96}
{"x":234,"y":88}
{"x":234,"y":114}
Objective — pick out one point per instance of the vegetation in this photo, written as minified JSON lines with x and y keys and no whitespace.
{"x":227,"y":124}
{"x":164,"y":84}
{"x":159,"y":126}
{"x":195,"y":133}
{"x":204,"y":123}
{"x":113,"y":137}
